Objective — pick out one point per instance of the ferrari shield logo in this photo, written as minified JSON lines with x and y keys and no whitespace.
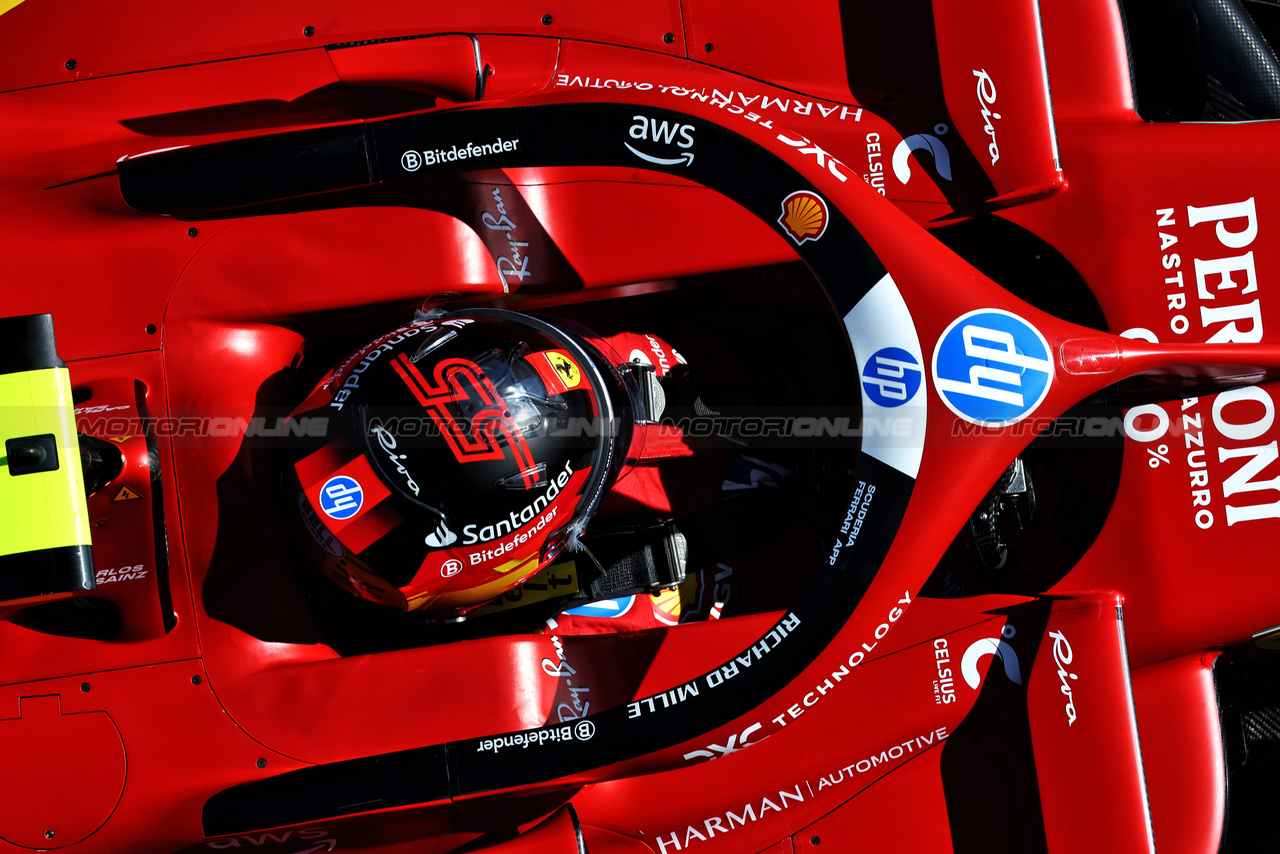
{"x":566,"y":369}
{"x":567,"y":373}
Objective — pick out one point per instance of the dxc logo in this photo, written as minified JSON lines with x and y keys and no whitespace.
{"x":992,"y":367}
{"x":735,"y":743}
{"x":891,"y":377}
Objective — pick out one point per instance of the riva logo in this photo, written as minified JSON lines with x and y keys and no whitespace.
{"x":986,"y":100}
{"x":665,"y":133}
{"x":387,"y":441}
{"x":1062,"y":656}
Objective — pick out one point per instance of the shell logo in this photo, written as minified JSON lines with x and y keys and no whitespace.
{"x":666,"y":606}
{"x":804,"y":216}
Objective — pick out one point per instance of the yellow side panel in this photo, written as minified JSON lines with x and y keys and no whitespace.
{"x":46,"y":509}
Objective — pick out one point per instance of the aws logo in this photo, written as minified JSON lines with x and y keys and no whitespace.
{"x":664,"y":133}
{"x":922,"y":142}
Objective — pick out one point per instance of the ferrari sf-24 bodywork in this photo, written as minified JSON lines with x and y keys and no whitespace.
{"x":983,"y":294}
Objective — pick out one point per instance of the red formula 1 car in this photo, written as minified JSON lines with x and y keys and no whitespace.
{"x":844,"y":426}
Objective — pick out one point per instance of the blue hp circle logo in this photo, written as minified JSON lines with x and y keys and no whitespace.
{"x":992,"y":367}
{"x":341,"y":497}
{"x":891,"y":377}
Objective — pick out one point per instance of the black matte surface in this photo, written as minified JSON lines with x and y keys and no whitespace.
{"x":45,"y":571}
{"x":244,"y":172}
{"x":342,"y":788}
{"x":26,"y":344}
{"x":31,"y":454}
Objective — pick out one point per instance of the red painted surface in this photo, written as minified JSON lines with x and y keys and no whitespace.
{"x":1083,"y":728}
{"x":73,"y":768}
{"x":1176,"y":704}
{"x":237,"y":305}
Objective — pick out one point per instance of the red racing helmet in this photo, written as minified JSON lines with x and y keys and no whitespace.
{"x":458,"y":456}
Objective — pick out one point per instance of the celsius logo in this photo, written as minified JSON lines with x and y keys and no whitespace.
{"x":665,"y":133}
{"x":991,"y":367}
{"x":341,"y":497}
{"x":922,"y":142}
{"x":441,"y":536}
{"x":944,"y":689}
{"x":987,"y":98}
{"x":891,"y":377}
{"x":1062,"y":656}
{"x":990,"y":646}
{"x":450,"y":568}
{"x":804,"y":216}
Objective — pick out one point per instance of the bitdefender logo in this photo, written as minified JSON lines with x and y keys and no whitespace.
{"x":412,"y":161}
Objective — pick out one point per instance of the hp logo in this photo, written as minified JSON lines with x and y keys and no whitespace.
{"x":341,"y":497}
{"x":891,"y":377}
{"x":992,"y":367}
